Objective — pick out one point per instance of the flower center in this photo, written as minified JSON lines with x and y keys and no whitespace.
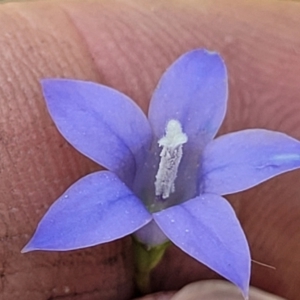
{"x":170,"y":157}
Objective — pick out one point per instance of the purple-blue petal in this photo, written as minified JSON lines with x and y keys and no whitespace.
{"x":96,"y":209}
{"x":100,"y":122}
{"x":193,"y":91}
{"x":237,"y":161}
{"x":207,"y":229}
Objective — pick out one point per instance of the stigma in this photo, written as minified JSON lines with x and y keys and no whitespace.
{"x":170,"y":157}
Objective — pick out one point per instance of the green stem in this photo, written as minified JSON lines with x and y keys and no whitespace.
{"x":142,"y":280}
{"x":146,"y":259}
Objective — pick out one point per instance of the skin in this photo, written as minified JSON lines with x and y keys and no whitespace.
{"x":208,"y":290}
{"x":127,"y":45}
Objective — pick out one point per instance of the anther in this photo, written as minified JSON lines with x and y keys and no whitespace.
{"x":171,"y":155}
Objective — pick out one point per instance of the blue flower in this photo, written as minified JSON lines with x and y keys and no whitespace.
{"x":166,"y":175}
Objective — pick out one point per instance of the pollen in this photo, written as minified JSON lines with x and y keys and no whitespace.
{"x":170,"y":158}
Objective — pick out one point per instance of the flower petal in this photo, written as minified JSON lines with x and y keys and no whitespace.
{"x":88,"y":116}
{"x":207,"y":229}
{"x":193,"y":91}
{"x":237,"y":161}
{"x":98,"y":208}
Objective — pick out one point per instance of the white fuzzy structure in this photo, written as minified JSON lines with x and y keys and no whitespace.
{"x":171,"y":155}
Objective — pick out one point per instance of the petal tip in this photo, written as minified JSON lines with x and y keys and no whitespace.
{"x":48,"y":85}
{"x":211,"y":53}
{"x":45,"y":81}
{"x":243,"y":286}
{"x":27,"y":248}
{"x":205,"y":52}
{"x":245,"y":293}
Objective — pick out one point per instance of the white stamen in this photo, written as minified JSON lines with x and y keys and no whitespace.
{"x":171,"y":155}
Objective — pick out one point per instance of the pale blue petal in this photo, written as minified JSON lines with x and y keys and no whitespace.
{"x":237,"y":161}
{"x":100,"y":122}
{"x":193,"y":91}
{"x":207,"y":229}
{"x":97,"y":209}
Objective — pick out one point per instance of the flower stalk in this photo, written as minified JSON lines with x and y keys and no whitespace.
{"x":145,"y":260}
